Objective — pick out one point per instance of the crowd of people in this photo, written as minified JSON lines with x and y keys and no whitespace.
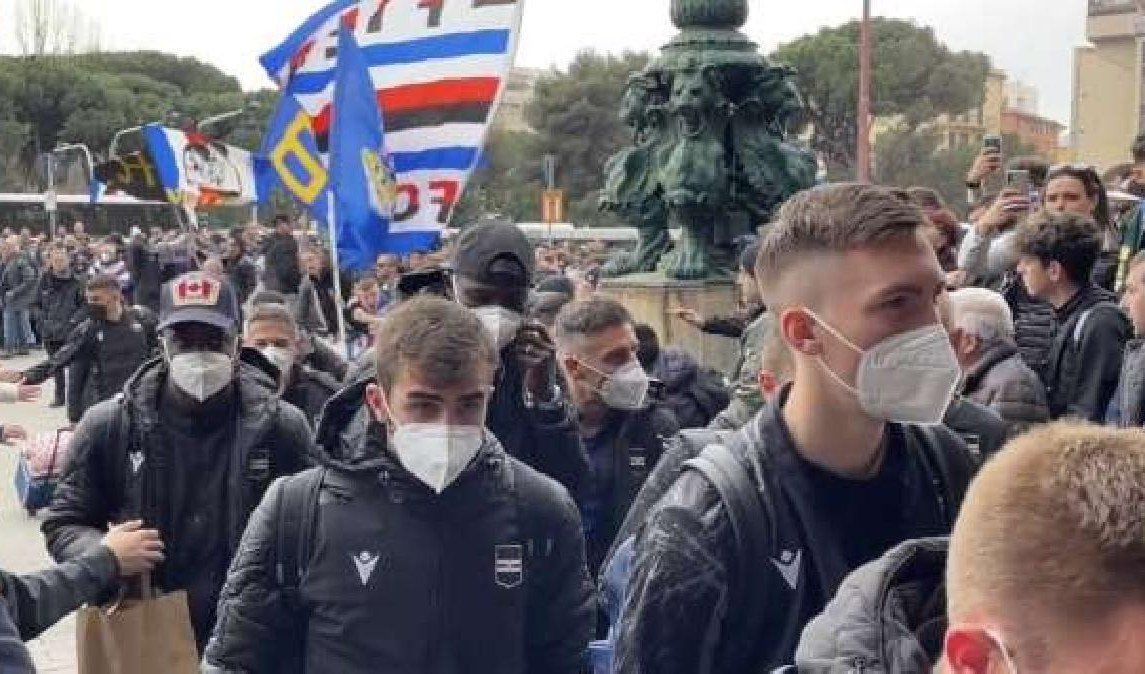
{"x":929,"y":453}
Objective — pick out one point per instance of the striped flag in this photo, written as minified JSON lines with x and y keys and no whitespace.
{"x":438,"y":68}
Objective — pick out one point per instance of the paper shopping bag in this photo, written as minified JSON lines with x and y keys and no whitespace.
{"x":152,"y":635}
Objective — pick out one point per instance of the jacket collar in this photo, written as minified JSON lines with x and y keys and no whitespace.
{"x":993,"y":356}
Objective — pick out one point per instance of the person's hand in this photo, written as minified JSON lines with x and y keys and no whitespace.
{"x":984,"y":164}
{"x":137,"y":550}
{"x":1001,"y":212}
{"x":11,"y":376}
{"x":956,"y":279}
{"x":689,"y":315}
{"x":26,"y":393}
{"x":534,"y":350}
{"x":12,"y":433}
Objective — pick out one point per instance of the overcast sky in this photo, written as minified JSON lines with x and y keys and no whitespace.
{"x":1032,"y":40}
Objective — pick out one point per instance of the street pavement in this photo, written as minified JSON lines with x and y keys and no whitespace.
{"x":21,"y":545}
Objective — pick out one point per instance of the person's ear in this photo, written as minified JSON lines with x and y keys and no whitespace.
{"x":798,"y":330}
{"x":768,"y":384}
{"x":1055,"y":271}
{"x":968,"y":650}
{"x":376,"y":401}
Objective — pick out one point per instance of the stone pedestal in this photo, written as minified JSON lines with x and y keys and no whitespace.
{"x":652,"y":299}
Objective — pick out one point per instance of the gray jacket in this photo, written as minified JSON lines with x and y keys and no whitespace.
{"x":1003,"y":382}
{"x":888,"y":617}
{"x":18,"y":280}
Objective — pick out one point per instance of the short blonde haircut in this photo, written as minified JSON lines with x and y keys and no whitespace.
{"x":1053,"y":527}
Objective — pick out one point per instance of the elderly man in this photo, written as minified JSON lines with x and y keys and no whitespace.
{"x":982,"y":333}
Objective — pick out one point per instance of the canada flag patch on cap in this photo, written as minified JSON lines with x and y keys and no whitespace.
{"x":196,"y":292}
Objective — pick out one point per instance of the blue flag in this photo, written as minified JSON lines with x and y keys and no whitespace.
{"x":290,"y":159}
{"x":361,"y":170}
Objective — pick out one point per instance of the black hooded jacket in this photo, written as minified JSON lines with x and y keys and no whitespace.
{"x":686,"y":593}
{"x":125,"y":464}
{"x":61,"y":302}
{"x":481,"y":578}
{"x":1085,"y":360}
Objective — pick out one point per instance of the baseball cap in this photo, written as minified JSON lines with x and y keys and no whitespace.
{"x":486,"y":253}
{"x":198,"y":298}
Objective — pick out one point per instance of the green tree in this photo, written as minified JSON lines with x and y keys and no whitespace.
{"x":905,"y":158}
{"x":576,"y":115}
{"x":915,"y":79}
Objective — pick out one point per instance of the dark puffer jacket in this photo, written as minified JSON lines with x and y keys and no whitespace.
{"x":17,"y":282}
{"x":36,"y":601}
{"x":1003,"y":382}
{"x":125,"y":464}
{"x":888,"y":617}
{"x":1034,"y":324}
{"x":61,"y":302}
{"x":440,"y":597}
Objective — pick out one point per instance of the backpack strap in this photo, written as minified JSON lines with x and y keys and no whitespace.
{"x":297,"y":511}
{"x":949,"y":466}
{"x":753,"y":520}
{"x":1079,"y":327}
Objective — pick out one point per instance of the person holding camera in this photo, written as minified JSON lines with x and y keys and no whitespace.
{"x":530,"y":413}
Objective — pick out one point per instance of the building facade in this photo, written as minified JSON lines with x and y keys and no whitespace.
{"x":1041,"y":133}
{"x":970,"y":127}
{"x":1108,"y":76}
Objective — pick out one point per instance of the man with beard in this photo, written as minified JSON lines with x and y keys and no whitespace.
{"x":103,"y":351}
{"x":189,"y":449}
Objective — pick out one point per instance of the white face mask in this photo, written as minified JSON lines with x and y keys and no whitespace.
{"x":627,"y":388}
{"x":282,"y":358}
{"x":502,"y":324}
{"x":437,"y":454}
{"x":201,"y":374}
{"x":907,"y":378}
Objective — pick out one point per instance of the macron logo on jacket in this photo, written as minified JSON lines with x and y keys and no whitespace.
{"x":788,"y":566}
{"x":365,"y":563}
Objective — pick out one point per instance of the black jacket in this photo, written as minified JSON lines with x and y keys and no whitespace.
{"x":430,"y":596}
{"x":1034,"y":324}
{"x":983,"y":431}
{"x":283,"y":272}
{"x":889,"y":616}
{"x":100,"y":357}
{"x":146,"y":273}
{"x":685,"y":573}
{"x":634,"y":442}
{"x":36,"y":601}
{"x":1085,"y":361}
{"x":545,"y":436}
{"x":100,"y":483}
{"x":14,"y":657}
{"x":309,"y":390}
{"x":61,"y":303}
{"x":243,"y":277}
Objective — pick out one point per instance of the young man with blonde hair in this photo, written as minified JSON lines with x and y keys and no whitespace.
{"x":1046,"y":570}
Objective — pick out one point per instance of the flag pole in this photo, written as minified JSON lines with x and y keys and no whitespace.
{"x":343,"y":347}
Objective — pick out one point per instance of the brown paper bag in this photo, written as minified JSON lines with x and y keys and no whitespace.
{"x":152,"y":635}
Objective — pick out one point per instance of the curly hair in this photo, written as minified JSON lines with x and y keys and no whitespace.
{"x":1071,"y":240}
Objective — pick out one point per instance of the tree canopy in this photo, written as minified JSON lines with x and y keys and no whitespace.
{"x":915,"y":78}
{"x":47,"y":99}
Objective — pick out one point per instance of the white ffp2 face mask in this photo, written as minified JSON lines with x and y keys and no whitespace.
{"x":201,"y":374}
{"x":627,"y":388}
{"x":437,"y":454}
{"x":281,"y":358}
{"x":502,"y":324}
{"x":907,"y":378}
